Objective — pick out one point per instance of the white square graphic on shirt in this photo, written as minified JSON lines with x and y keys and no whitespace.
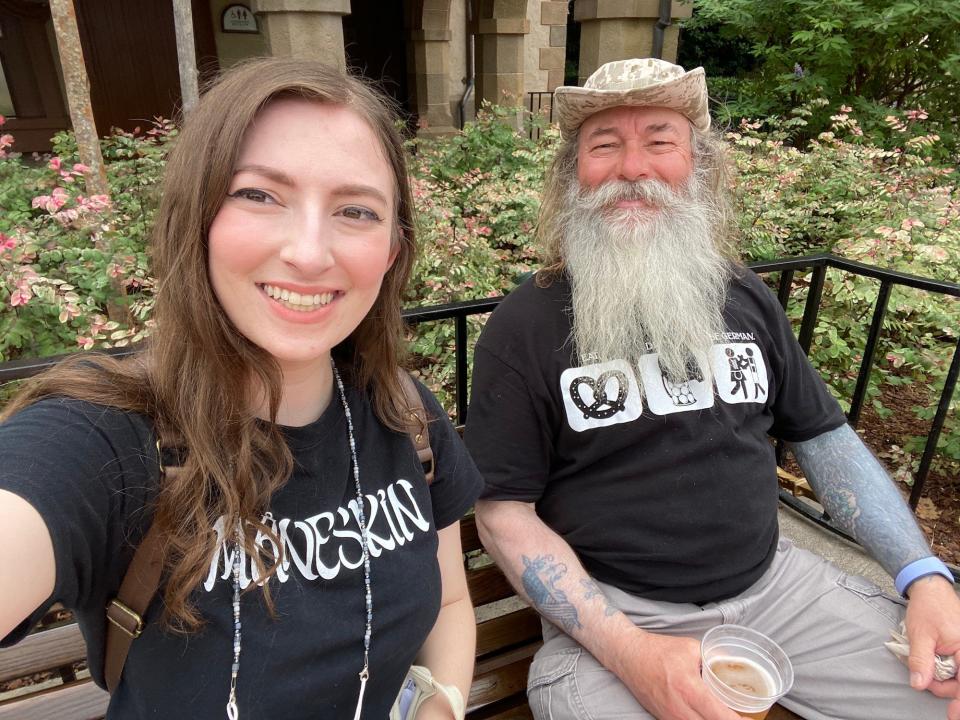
{"x":599,"y":395}
{"x":740,"y":373}
{"x":665,"y":397}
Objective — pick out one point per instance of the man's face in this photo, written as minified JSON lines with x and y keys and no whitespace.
{"x":638,"y":230}
{"x":634,"y":143}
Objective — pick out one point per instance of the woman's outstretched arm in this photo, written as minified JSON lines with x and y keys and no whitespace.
{"x":27,"y":566}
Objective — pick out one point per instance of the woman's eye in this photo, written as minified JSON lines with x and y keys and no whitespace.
{"x":252,"y":194}
{"x":359,"y":213}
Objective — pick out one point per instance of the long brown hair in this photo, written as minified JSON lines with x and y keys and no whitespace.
{"x":710,"y":159}
{"x":193,"y":380}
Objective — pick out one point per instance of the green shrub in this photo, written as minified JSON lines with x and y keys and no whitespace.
{"x":879,"y":57}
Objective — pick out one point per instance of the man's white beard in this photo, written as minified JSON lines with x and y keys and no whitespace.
{"x":646,"y":279}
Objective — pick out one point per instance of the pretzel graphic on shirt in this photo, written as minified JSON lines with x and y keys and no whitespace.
{"x":603,"y":406}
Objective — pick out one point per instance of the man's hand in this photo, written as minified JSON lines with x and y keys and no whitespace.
{"x":933,"y":626}
{"x":663,"y":673}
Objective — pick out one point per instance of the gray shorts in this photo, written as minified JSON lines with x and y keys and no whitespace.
{"x":832,"y":626}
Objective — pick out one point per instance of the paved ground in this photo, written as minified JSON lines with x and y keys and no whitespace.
{"x":846,"y":555}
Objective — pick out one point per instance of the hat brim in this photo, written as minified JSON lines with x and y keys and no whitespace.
{"x":685,"y":94}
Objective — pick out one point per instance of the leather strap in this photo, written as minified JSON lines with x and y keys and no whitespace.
{"x":418,"y":425}
{"x":125,"y":613}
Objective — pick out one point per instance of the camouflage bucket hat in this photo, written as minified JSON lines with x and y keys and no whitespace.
{"x":644,"y":82}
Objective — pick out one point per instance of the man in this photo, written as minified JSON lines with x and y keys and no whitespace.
{"x":622,"y":401}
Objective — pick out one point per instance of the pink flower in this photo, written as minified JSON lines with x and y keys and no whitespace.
{"x":98,"y":324}
{"x":80,"y":169}
{"x":20,"y":296}
{"x":52,"y":202}
{"x":55,"y":163}
{"x":3,"y":120}
{"x":7,"y":242}
{"x":6,"y":140}
{"x":69,"y":311}
{"x":84,"y":342}
{"x":98,"y":202}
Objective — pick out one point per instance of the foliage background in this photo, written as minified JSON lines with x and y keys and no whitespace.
{"x":75,"y":269}
{"x":882,"y":58}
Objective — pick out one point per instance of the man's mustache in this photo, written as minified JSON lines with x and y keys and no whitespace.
{"x":655,"y":193}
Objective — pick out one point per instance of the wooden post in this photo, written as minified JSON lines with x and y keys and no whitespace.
{"x":186,"y":54}
{"x":78,"y":94}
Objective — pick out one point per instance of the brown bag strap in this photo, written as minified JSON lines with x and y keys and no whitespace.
{"x":418,"y":427}
{"x":126,"y":611}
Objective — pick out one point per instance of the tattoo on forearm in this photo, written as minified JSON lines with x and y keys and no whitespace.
{"x":540,"y":577}
{"x":861,"y":499}
{"x":592,"y":590}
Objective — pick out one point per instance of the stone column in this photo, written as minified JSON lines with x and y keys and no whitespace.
{"x":620,"y":29}
{"x":500,"y":27}
{"x":310,"y":29}
{"x":553,"y":58}
{"x":428,"y":62}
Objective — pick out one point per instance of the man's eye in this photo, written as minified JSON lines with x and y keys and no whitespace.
{"x":252,"y":194}
{"x":359,"y":213}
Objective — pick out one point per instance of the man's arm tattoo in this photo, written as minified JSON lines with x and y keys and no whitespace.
{"x":860,"y":497}
{"x":592,"y":590}
{"x":540,"y":577}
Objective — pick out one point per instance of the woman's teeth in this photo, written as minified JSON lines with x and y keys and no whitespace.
{"x":296,"y":301}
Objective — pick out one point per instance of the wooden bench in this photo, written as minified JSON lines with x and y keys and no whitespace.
{"x":508,"y":635}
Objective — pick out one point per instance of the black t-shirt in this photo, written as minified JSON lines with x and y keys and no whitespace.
{"x":90,"y":471}
{"x":671,"y":494}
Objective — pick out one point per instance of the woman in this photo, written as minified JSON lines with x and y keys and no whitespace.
{"x":282,"y":245}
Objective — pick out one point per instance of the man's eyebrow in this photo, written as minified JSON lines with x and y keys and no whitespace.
{"x":662,"y":127}
{"x":602,"y":131}
{"x":268,"y":172}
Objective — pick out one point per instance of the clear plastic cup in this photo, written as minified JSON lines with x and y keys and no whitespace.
{"x":745,"y":669}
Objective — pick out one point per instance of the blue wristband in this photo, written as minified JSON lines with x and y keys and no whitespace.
{"x":918,"y":569}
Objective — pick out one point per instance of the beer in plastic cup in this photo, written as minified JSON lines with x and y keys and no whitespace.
{"x":745,"y":669}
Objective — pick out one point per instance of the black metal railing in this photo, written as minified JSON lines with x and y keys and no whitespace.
{"x":539,"y":103}
{"x":816,"y":265}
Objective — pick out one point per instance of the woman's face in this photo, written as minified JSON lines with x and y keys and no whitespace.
{"x":300,"y":246}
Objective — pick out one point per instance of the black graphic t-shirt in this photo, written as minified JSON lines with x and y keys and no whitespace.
{"x":670,"y":493}
{"x":90,"y":471}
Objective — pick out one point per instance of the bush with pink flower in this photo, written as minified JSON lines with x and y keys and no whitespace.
{"x":74,"y":269}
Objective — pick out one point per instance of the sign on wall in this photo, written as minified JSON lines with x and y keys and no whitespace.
{"x":238,"y":19}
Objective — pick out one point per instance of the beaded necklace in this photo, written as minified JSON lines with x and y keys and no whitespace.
{"x":233,"y":713}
